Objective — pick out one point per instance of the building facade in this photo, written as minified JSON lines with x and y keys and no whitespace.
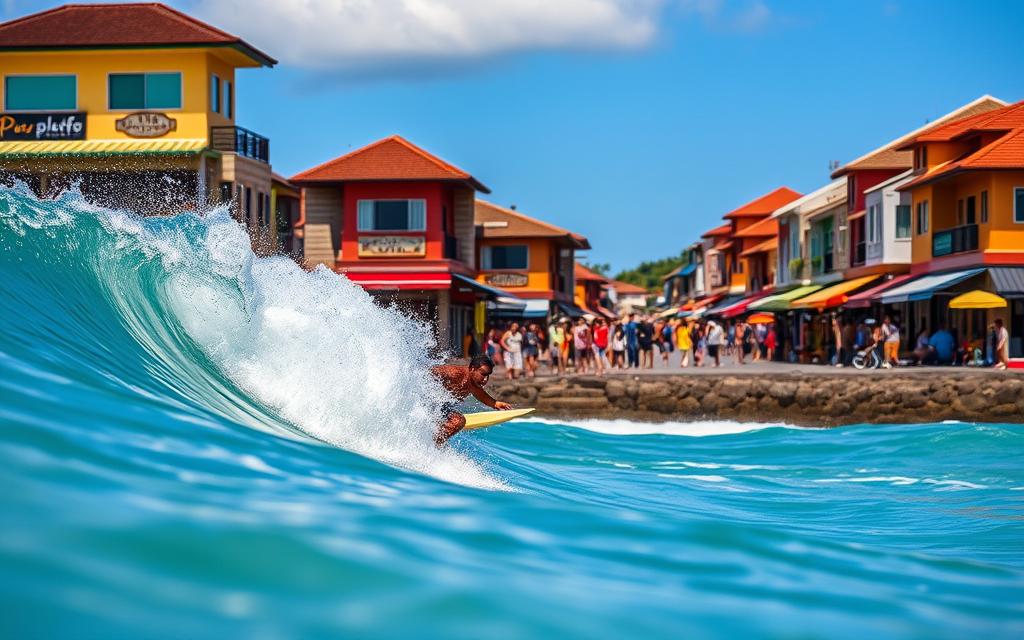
{"x":142,"y":118}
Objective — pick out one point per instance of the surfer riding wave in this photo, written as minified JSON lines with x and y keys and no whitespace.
{"x":461,"y":381}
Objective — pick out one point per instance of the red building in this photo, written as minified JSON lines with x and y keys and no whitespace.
{"x":398,"y":221}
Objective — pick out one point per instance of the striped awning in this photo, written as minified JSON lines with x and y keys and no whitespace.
{"x":833,"y":296}
{"x":925,"y":287}
{"x":122,"y":147}
{"x":780,"y":301}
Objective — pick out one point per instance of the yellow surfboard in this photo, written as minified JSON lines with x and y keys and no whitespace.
{"x":491,"y":418}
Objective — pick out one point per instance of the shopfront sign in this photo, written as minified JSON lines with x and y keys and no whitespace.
{"x":144,"y":124}
{"x":507,"y":279}
{"x":42,"y":126}
{"x":392,"y":246}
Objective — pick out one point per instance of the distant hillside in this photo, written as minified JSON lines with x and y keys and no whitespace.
{"x":649,"y":274}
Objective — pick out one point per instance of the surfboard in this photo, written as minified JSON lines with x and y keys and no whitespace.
{"x":491,"y":418}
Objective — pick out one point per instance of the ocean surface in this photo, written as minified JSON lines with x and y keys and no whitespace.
{"x":199,"y":443}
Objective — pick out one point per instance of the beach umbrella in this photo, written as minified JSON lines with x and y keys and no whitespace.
{"x":977,"y":299}
{"x":761,"y":318}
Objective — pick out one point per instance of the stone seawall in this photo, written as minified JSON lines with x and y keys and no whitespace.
{"x":828,"y":399}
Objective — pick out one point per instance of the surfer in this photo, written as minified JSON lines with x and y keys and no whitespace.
{"x":461,"y":381}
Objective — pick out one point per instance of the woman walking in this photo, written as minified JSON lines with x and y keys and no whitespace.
{"x":600,"y":344}
{"x":618,"y":346}
{"x":684,"y":343}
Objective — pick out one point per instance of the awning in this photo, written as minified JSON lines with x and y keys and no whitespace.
{"x":742,"y":306}
{"x":518,"y":308}
{"x":571,"y":310}
{"x":1008,"y":281}
{"x":761,"y":318}
{"x":486,"y":289}
{"x":697,"y":307}
{"x":780,"y":301}
{"x":866,"y":298}
{"x":386,"y":281}
{"x":163,"y":146}
{"x":607,"y":313}
{"x":688,"y":269}
{"x":925,"y":287}
{"x":977,"y":299}
{"x":723,"y":305}
{"x":833,"y":296}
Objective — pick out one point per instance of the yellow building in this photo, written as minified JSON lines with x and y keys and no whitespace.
{"x":136,"y":103}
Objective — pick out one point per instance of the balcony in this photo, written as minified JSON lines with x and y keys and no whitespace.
{"x":955,"y":240}
{"x":241,"y":141}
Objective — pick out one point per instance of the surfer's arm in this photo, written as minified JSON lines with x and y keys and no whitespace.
{"x":486,"y":398}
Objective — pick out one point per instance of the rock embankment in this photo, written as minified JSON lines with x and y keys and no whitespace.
{"x":801,"y":399}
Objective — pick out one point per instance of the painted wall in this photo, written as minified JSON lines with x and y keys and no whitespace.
{"x":92,"y":67}
{"x":889,"y":249}
{"x":438,"y":199}
{"x":542,"y":262}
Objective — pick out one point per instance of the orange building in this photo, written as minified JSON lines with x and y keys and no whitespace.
{"x":531,"y":259}
{"x":591,"y":292}
{"x":751,"y":226}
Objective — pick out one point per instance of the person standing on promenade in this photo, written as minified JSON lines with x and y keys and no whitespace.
{"x":632,"y":343}
{"x":739,"y":341}
{"x":684,"y":343}
{"x":730,"y":339}
{"x":1002,"y":345}
{"x":512,"y":343}
{"x":618,"y":342}
{"x":531,"y":350}
{"x":600,"y":345}
{"x":581,"y":345}
{"x":645,"y":340}
{"x":698,"y":335}
{"x":667,"y":342}
{"x":715,"y":337}
{"x":759,"y":331}
{"x":849,"y":341}
{"x":891,"y":343}
{"x":769,"y":342}
{"x":556,"y":335}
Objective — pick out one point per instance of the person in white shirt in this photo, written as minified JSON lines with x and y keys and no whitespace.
{"x":1002,"y":345}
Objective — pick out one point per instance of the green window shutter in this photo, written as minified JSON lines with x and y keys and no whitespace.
{"x":163,"y":91}
{"x":40,"y":93}
{"x":127,"y":90}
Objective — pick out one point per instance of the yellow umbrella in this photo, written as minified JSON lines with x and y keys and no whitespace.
{"x":761,"y":318}
{"x":977,"y":299}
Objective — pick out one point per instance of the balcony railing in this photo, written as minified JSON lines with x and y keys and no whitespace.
{"x":955,"y":240}
{"x":240,"y":141}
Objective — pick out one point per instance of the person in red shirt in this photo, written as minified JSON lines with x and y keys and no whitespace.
{"x":600,"y":344}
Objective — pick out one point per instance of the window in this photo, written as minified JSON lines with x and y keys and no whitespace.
{"x":922,"y":217}
{"x":903,"y":221}
{"x":229,"y":108}
{"x":984,"y":206}
{"x":392,"y":215}
{"x":872,"y":213}
{"x":259,"y":209}
{"x":515,"y":256}
{"x":215,"y":93}
{"x":1018,"y":205}
{"x":972,"y":216}
{"x":41,"y":93}
{"x":960,"y":212}
{"x":144,"y":90}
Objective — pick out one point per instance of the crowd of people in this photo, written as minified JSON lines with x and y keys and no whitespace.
{"x":591,"y":345}
{"x":595,"y":345}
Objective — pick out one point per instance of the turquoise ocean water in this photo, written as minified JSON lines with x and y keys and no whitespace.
{"x":196,"y":443}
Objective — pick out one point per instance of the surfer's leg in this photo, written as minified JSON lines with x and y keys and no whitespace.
{"x":453,"y":423}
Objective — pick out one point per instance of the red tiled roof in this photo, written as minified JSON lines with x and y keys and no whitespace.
{"x":893,"y":156}
{"x":518,"y":225}
{"x":582,"y":273}
{"x":393,"y":158}
{"x":626,"y":288}
{"x":765,"y":205}
{"x":1004,"y":119}
{"x":1007,"y":152}
{"x":105,"y":25}
{"x":760,"y":229}
{"x":722,"y":230}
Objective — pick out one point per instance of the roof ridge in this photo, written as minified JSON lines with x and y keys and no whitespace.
{"x":170,"y":12}
{"x":444,"y":164}
{"x":373,"y":145}
{"x":980,"y":154}
{"x":523,"y":216}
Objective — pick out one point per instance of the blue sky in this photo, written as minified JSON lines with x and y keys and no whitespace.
{"x":637,"y":123}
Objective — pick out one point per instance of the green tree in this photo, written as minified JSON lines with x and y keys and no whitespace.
{"x":649,"y":274}
{"x":600,"y":268}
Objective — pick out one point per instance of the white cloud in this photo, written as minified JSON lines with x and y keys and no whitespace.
{"x":357,"y":36}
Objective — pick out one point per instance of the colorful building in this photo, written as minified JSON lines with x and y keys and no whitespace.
{"x":592,"y":293}
{"x":686,"y":282}
{"x":136,"y":103}
{"x":400,"y":222}
{"x":530,"y":259}
{"x":284,"y":208}
{"x":751,"y":226}
{"x":967,"y":198}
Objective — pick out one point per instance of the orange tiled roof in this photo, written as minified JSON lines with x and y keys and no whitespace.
{"x":127,"y":25}
{"x":626,"y":288}
{"x":893,"y":154}
{"x":722,"y":230}
{"x":764,"y":205}
{"x":582,"y":273}
{"x":518,"y":225}
{"x":1007,"y":152}
{"x":760,"y":229}
{"x":1004,"y":119}
{"x":393,"y":158}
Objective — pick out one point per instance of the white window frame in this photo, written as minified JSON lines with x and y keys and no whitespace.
{"x":486,"y":258}
{"x":1018,"y":215}
{"x":180,"y":73}
{"x":362,"y":227}
{"x":910,"y":226}
{"x":37,"y":75}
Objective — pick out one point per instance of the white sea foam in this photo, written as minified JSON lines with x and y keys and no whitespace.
{"x":314,"y":347}
{"x":689,"y":429}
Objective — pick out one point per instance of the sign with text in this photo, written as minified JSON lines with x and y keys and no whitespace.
{"x":392,"y":246}
{"x":42,"y":126}
{"x":144,"y":124}
{"x":507,"y":279}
